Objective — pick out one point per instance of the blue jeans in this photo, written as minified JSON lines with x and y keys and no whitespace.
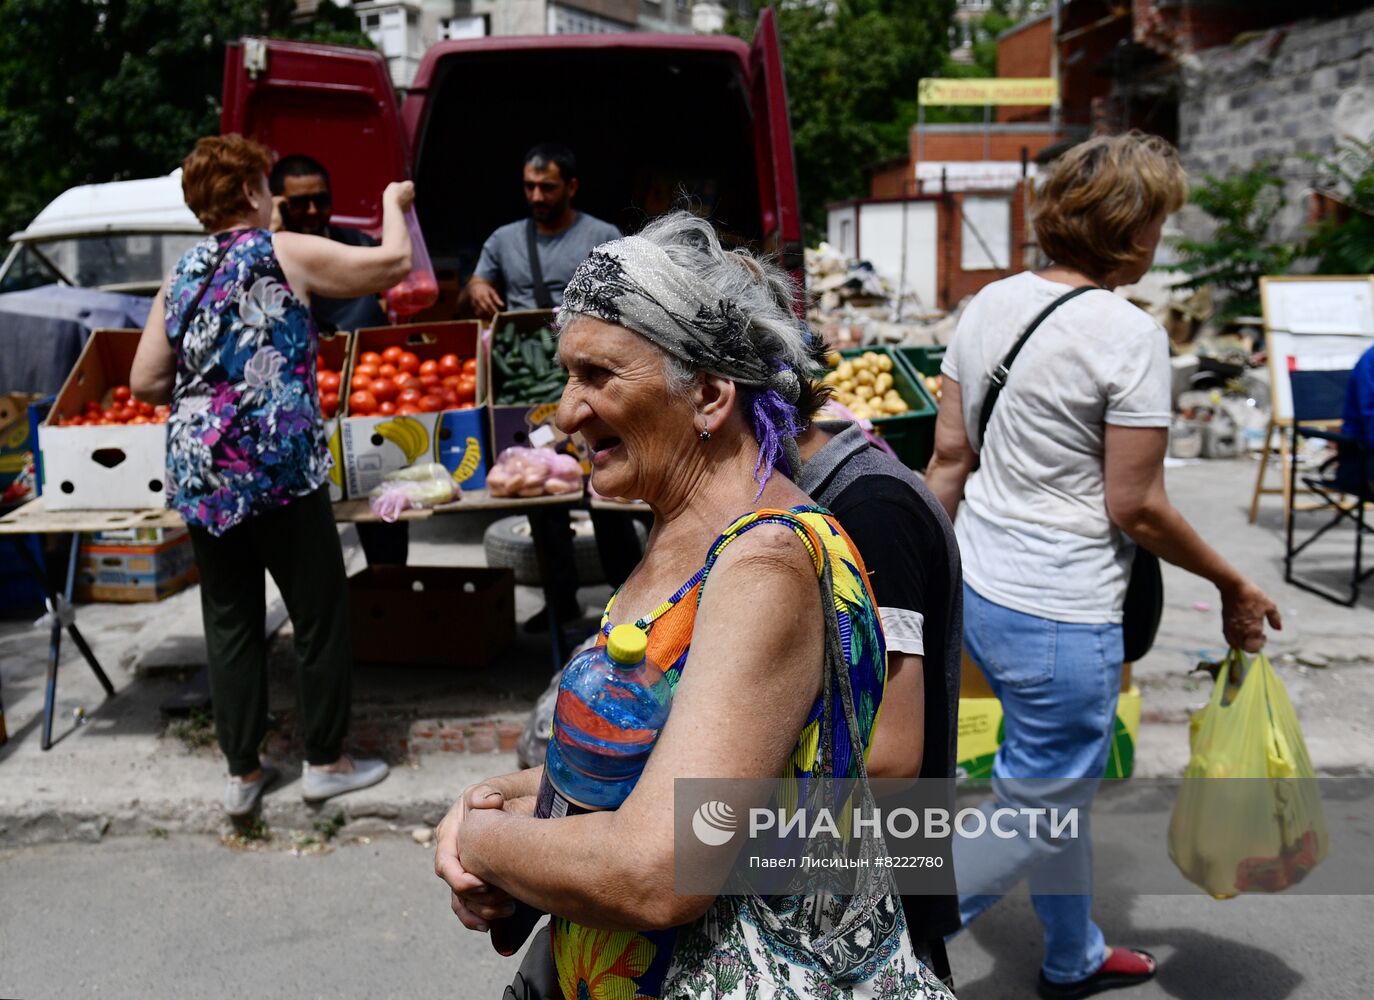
{"x":1058,"y":685}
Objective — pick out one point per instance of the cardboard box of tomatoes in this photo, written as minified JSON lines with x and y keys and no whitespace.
{"x":102,"y":449}
{"x":330,"y":375}
{"x":414,"y":396}
{"x":525,"y":383}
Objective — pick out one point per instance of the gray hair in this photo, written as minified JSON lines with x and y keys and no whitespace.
{"x":759,"y":291}
{"x":759,"y":287}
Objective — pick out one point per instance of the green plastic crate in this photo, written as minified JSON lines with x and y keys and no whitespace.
{"x":910,"y":435}
{"x":922,"y":360}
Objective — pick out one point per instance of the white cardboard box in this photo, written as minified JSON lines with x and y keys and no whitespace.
{"x":114,"y":467}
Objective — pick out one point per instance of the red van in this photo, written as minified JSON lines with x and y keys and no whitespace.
{"x":650,"y":117}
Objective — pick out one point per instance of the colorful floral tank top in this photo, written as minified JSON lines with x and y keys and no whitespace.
{"x":621,"y":965}
{"x":245,"y":434}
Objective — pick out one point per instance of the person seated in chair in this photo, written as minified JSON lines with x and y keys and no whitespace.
{"x":1358,"y":423}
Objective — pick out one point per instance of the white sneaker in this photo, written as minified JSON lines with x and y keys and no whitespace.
{"x":241,"y":797}
{"x":317,"y":785}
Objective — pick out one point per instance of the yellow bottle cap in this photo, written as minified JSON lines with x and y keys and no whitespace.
{"x":627,"y":644}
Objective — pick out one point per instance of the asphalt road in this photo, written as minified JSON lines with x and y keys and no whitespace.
{"x":188,"y":917}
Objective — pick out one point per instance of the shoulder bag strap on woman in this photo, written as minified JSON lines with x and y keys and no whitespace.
{"x":998,"y":378}
{"x":542,"y":298}
{"x":205,"y":287}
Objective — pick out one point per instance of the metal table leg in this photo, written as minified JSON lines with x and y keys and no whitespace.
{"x":61,"y":612}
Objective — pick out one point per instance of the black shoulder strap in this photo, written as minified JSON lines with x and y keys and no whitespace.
{"x":542,"y":298}
{"x":195,"y":303}
{"x":998,"y":379}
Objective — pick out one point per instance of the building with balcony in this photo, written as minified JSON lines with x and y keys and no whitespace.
{"x":403,"y":29}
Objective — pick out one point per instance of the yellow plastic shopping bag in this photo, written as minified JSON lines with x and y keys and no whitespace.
{"x":1249,"y":815}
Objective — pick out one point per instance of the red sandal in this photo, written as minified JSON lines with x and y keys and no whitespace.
{"x":1123,"y":967}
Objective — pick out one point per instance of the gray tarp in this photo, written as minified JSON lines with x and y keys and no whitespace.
{"x":42,"y":331}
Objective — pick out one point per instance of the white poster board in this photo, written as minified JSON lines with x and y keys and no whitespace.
{"x":986,"y":241}
{"x":1314,"y":324}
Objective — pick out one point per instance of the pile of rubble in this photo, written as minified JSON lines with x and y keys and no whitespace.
{"x":852,"y":305}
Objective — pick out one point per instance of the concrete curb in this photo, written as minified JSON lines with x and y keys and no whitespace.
{"x":415,"y":794}
{"x":29,"y":827}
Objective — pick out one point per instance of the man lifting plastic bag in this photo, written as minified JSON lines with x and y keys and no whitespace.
{"x":1249,"y":816}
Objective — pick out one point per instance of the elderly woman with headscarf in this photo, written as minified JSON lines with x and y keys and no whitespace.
{"x":685,"y":367}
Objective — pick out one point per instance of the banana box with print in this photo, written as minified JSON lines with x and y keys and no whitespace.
{"x":423,"y":421}
{"x":525,"y":383}
{"x":109,"y":466}
{"x":982,"y":727}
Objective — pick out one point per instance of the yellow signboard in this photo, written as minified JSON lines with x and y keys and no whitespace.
{"x":1031,"y":91}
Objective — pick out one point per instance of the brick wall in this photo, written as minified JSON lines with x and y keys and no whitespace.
{"x":895,"y":181}
{"x":970,"y":145}
{"x":1272,"y":97}
{"x":1025,"y":52}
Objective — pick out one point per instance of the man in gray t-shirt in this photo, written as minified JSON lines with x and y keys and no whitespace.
{"x":563,"y":237}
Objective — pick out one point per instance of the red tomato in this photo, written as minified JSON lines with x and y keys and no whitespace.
{"x":467,"y":389}
{"x":369,"y":370}
{"x":109,"y":415}
{"x":431,"y":404}
{"x":359,"y":381}
{"x":329,"y":404}
{"x":386,"y":408}
{"x":384,"y":389}
{"x":470,"y":367}
{"x":330,"y":382}
{"x":408,"y":395}
{"x":391,"y":355}
{"x":92,"y":406}
{"x":415,"y":293}
{"x":451,"y":381}
{"x":405,"y":380}
{"x":162,"y":411}
{"x":122,"y":394}
{"x":450,"y":364}
{"x":140,"y":419}
{"x":430,"y":380}
{"x":450,"y":398}
{"x":430,"y":367}
{"x":387,"y":370}
{"x":407,"y":362}
{"x":407,"y":410}
{"x":125,"y":413}
{"x":145,"y":409}
{"x":362,"y":403}
{"x":369,"y":358}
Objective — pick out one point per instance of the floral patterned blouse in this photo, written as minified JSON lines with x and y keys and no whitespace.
{"x":597,"y":964}
{"x":245,"y":434}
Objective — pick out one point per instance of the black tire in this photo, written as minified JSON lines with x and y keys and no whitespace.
{"x":508,"y":545}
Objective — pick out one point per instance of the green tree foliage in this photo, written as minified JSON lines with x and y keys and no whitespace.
{"x":1245,"y":206}
{"x":1343,"y":243}
{"x":852,"y":68}
{"x":102,"y":90}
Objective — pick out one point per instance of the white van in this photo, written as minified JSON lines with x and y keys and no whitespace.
{"x":123,"y":236}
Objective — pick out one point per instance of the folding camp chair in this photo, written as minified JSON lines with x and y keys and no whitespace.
{"x":1345,"y":484}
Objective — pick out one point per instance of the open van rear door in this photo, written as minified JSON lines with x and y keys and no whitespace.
{"x":778,"y":199}
{"x":327,"y":101}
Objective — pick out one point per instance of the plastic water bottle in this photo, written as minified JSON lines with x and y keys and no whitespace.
{"x":612,"y":703}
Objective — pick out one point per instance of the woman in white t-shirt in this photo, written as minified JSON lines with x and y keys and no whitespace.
{"x":1069,"y":480}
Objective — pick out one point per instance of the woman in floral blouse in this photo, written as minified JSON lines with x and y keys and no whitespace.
{"x":230,"y":343}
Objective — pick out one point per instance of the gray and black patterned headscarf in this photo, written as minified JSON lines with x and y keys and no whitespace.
{"x":633,"y":283}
